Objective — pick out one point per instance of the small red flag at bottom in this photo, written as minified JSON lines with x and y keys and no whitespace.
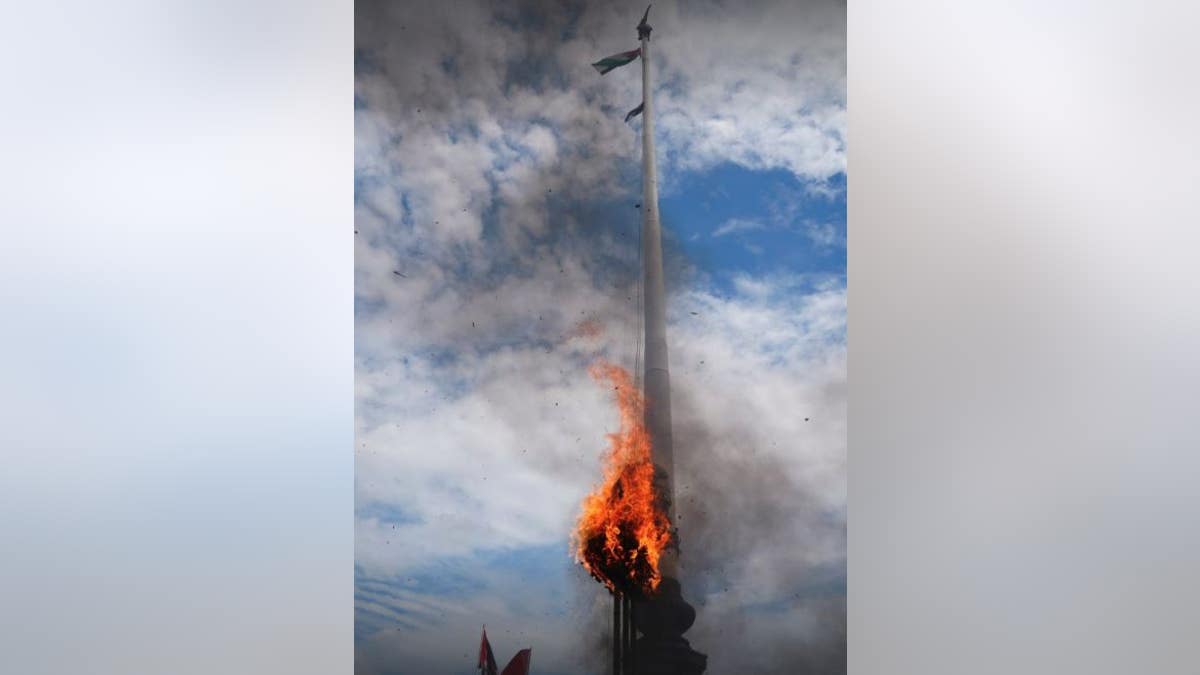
{"x":519,"y":664}
{"x":487,"y":662}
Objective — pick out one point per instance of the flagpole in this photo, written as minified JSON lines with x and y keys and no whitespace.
{"x":661,"y":616}
{"x":656,"y":378}
{"x":665,"y":615}
{"x":618,"y":635}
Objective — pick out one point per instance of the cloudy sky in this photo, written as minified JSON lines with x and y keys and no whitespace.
{"x":495,"y":192}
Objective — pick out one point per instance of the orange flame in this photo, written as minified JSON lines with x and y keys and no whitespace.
{"x":624,"y":530}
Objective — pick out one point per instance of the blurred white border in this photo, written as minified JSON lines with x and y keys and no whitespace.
{"x":176,"y":378}
{"x":1024,"y":327}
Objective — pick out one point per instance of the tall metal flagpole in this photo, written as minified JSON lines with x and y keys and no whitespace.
{"x":657,"y":377}
{"x":664,"y":617}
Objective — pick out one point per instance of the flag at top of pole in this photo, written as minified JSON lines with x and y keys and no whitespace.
{"x":625,"y":58}
{"x":616,"y":60}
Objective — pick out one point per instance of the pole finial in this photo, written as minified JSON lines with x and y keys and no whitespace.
{"x":643,"y":28}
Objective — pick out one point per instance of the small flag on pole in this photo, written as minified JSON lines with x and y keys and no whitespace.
{"x":487,"y":662}
{"x":635,"y":112}
{"x":616,"y":60}
{"x":519,"y":664}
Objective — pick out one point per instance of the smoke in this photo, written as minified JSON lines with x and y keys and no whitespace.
{"x":760,"y":547}
{"x":594,"y":617}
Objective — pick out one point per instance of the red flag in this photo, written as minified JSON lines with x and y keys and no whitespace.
{"x":519,"y":664}
{"x":487,"y":662}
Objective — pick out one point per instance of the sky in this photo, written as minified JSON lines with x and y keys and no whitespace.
{"x":495,"y":188}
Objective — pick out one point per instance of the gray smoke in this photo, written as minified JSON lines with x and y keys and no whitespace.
{"x":749,"y":530}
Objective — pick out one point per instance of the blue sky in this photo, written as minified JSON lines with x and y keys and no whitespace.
{"x":495,"y":192}
{"x":731,"y":220}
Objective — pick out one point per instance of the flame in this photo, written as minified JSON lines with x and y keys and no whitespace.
{"x":624,"y":530}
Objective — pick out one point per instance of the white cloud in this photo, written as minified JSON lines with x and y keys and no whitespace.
{"x":785,"y":210}
{"x":761,"y":85}
{"x":823,"y":234}
{"x":734,"y":225}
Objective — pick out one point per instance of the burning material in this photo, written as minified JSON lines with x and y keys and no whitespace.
{"x":624,"y":530}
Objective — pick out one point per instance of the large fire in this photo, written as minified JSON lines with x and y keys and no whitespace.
{"x":623,"y":529}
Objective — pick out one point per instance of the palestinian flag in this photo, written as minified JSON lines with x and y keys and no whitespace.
{"x":635,"y":112}
{"x":487,"y":661}
{"x":616,"y":60}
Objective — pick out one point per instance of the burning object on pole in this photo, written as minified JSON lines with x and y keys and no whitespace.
{"x":624,"y":530}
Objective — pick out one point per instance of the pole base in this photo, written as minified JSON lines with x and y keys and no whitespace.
{"x":662,"y":620}
{"x":668,"y":656}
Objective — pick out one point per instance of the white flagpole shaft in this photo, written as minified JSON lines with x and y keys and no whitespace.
{"x":657,"y":379}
